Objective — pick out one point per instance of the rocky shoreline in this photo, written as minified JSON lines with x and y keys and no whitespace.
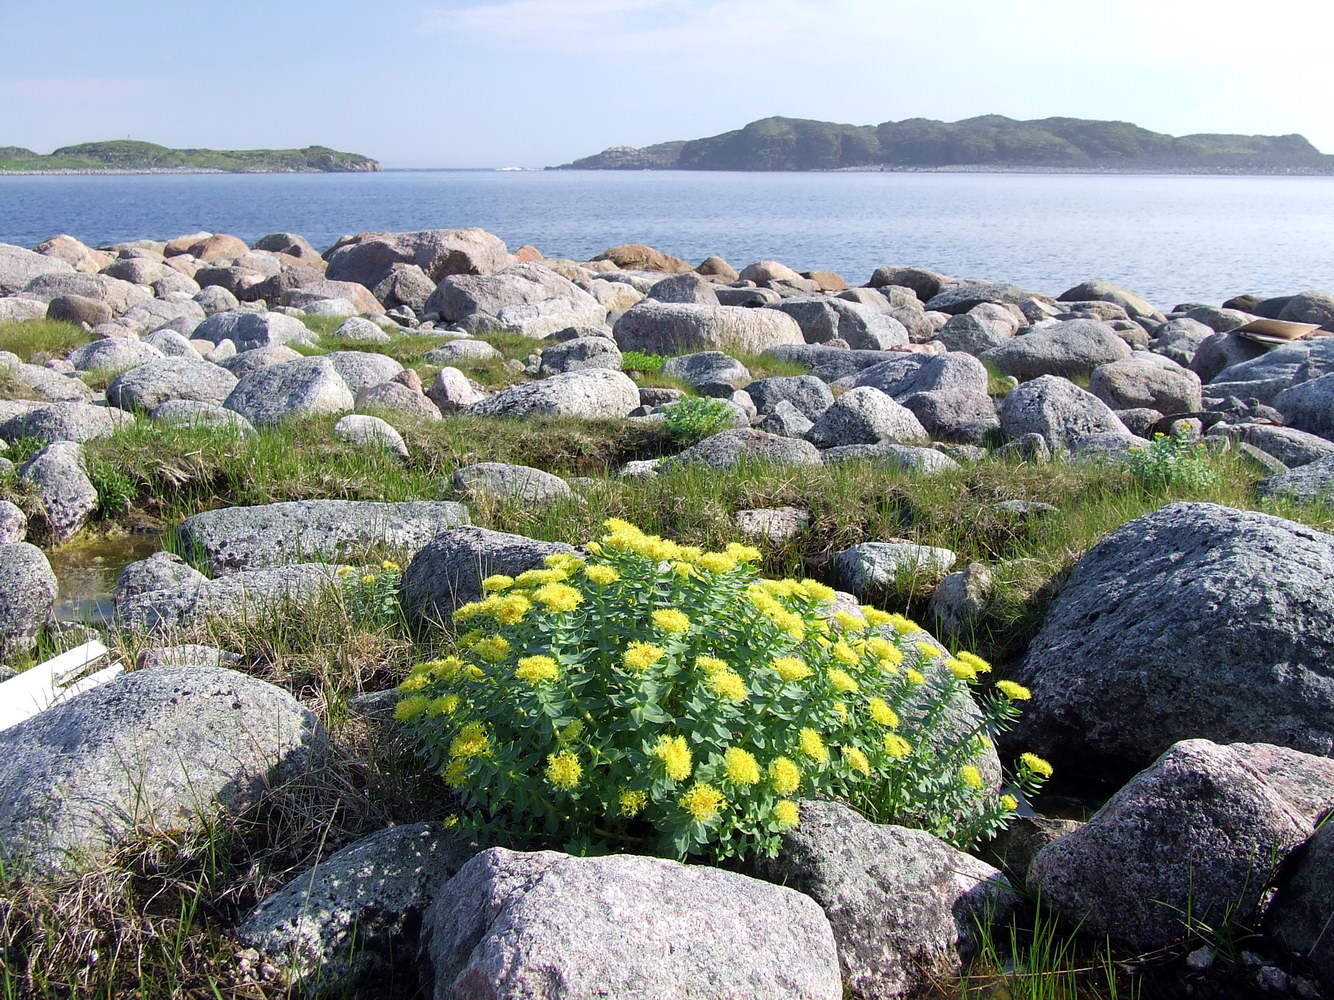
{"x":1184,"y":655}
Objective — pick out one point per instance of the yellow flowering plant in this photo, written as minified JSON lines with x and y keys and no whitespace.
{"x":370,"y":593}
{"x":656,"y":697}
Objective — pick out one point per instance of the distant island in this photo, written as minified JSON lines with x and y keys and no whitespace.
{"x":129,"y":156}
{"x":990,"y":142}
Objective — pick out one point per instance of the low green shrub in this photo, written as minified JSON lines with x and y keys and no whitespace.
{"x":659,"y":697}
{"x":695,"y":418}
{"x":371,"y":595}
{"x":115,"y":490}
{"x":637,"y":361}
{"x":1173,"y":461}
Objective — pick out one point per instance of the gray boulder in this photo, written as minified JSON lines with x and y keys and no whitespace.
{"x":592,"y":393}
{"x":961,"y":598}
{"x":1104,"y":291}
{"x":1312,"y":483}
{"x":806,"y":393}
{"x":43,"y":383}
{"x":711,"y":373}
{"x":865,"y":416}
{"x":1299,"y":917}
{"x":454,"y":351}
{"x":476,"y":303}
{"x":257,"y":594}
{"x":362,"y":369}
{"x":28,"y":592}
{"x":904,"y":906}
{"x":160,"y":571}
{"x":1289,"y":363}
{"x":742,"y":445}
{"x":448,"y":571}
{"x":171,"y":344}
{"x":452,"y":390}
{"x":960,"y":417}
{"x":511,"y":482}
{"x":1057,"y":409}
{"x":546,"y":318}
{"x":547,"y":926}
{"x":861,"y":327}
{"x":238,"y":538}
{"x":251,"y":330}
{"x":18,"y":267}
{"x":398,"y":398}
{"x":1072,"y":347}
{"x":785,"y":420}
{"x":13,"y":523}
{"x":882,"y":564}
{"x":149,"y":385}
{"x":581,"y":353}
{"x":245,"y":362}
{"x":921,"y":461}
{"x":963,"y":296}
{"x":155,"y":314}
{"x":64,"y":422}
{"x":15,"y":309}
{"x":192,"y":413}
{"x":78,"y":310}
{"x":370,"y":257}
{"x":923,"y":283}
{"x":360,"y":330}
{"x":57,"y":478}
{"x":1222,"y":350}
{"x":358,"y":911}
{"x":1185,"y":623}
{"x":1310,"y":307}
{"x":973,"y":334}
{"x":1287,"y":444}
{"x":953,"y":372}
{"x":119,"y":296}
{"x":1201,"y":832}
{"x":688,"y":287}
{"x":156,"y":749}
{"x":356,"y":428}
{"x":830,"y":363}
{"x":1150,"y":383}
{"x":405,"y":285}
{"x":1309,"y":406}
{"x":308,"y":387}
{"x":680,"y":328}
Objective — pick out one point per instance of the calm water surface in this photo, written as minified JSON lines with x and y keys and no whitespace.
{"x":1173,"y":239}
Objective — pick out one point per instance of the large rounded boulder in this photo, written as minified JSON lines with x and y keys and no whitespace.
{"x":1194,"y":621}
{"x":680,"y":328}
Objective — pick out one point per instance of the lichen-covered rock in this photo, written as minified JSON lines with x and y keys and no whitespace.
{"x":149,"y":385}
{"x":112,"y":355}
{"x":865,"y":416}
{"x":1193,"y":621}
{"x":160,"y":571}
{"x":1069,"y":348}
{"x":27,"y":594}
{"x":449,"y":570}
{"x":252,"y":330}
{"x":370,"y":257}
{"x":1058,"y":410}
{"x":1310,"y":483}
{"x":1202,"y":832}
{"x":57,"y":477}
{"x":548,"y":926}
{"x":592,"y":393}
{"x":881,"y":564}
{"x":77,"y":422}
{"x":356,"y":428}
{"x":307,"y":387}
{"x":905,"y":907}
{"x":731,"y":447}
{"x":157,"y":749}
{"x":13,"y":523}
{"x":357,"y":911}
{"x":236,"y":538}
{"x":511,"y":482}
{"x":679,"y":328}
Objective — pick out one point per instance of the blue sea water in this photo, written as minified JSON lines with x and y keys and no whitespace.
{"x":1172,"y":238}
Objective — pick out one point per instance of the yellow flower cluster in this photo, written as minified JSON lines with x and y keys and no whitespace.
{"x":703,"y":802}
{"x":564,"y":770}
{"x":856,"y":760}
{"x":728,"y":685}
{"x":843,"y":682}
{"x":507,"y":609}
{"x":632,"y":802}
{"x":1013,"y":691}
{"x":812,"y":745}
{"x":787,"y":813}
{"x":784,"y":775}
{"x":791,"y":668}
{"x":671,"y":620}
{"x":1032,"y":762}
{"x":471,"y":741}
{"x":601,"y":576}
{"x":896,"y":747}
{"x":882,"y":714}
{"x":536,"y":670}
{"x":741,"y":767}
{"x":972,"y":777}
{"x":558,"y":597}
{"x":674,"y":753}
{"x":639,"y":656}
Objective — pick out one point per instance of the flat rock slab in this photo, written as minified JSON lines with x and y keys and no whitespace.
{"x":236,"y":538}
{"x":156,"y":749}
{"x":547,"y":926}
{"x":253,"y":593}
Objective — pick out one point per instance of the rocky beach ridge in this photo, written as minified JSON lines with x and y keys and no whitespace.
{"x":1182,"y":655}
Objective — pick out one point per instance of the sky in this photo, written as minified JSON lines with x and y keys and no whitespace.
{"x":464,"y":83}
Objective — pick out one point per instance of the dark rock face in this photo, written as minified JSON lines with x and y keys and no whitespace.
{"x":1194,"y":621}
{"x":1201,"y":831}
{"x":903,"y":904}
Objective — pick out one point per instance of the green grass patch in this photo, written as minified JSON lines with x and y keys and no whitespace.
{"x":38,"y":340}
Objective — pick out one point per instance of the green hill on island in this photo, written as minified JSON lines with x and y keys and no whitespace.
{"x":987,"y":142}
{"x":129,"y":155}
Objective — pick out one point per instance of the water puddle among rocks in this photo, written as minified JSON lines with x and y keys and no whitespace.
{"x":87,"y":568}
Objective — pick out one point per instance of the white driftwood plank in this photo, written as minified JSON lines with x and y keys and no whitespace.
{"x":34,"y":690}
